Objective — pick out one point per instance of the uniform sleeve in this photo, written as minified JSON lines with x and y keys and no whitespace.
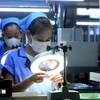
{"x":53,"y":86}
{"x":9,"y":63}
{"x":1,"y":67}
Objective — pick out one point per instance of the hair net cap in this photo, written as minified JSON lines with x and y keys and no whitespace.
{"x":25,"y":22}
{"x":9,"y":20}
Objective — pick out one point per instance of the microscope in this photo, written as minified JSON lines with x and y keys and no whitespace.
{"x":64,"y":93}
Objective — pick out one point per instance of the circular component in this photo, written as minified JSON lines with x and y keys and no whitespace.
{"x":50,"y":64}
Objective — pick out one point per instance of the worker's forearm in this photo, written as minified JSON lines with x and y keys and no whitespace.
{"x":22,"y":86}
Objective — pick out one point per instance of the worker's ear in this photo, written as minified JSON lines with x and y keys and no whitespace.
{"x":2,"y":34}
{"x":29,"y":36}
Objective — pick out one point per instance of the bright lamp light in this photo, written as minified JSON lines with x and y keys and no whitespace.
{"x":72,"y":0}
{"x":88,"y":23}
{"x":95,"y":16}
{"x":82,"y":11}
{"x":61,"y":0}
{"x":92,"y":12}
{"x":24,"y":9}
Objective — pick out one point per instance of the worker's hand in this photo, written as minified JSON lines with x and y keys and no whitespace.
{"x":57,"y":79}
{"x":38,"y":77}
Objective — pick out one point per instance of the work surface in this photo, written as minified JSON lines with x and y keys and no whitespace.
{"x":83,"y":96}
{"x":26,"y":98}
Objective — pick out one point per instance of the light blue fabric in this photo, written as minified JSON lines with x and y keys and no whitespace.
{"x":25,"y":22}
{"x":18,"y":65}
{"x":2,"y":49}
{"x":0,"y":23}
{"x":9,"y":20}
{"x":1,"y":67}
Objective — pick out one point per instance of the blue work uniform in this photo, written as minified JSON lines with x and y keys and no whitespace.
{"x":2,"y":49}
{"x":1,"y":67}
{"x":18,"y":65}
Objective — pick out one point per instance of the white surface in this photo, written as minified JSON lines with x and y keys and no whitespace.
{"x":24,"y":94}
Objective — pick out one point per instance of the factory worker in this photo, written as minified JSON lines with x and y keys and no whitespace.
{"x":17,"y":65}
{"x":11,"y":34}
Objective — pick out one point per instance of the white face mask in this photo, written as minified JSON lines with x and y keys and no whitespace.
{"x":39,"y":46}
{"x":12,"y":42}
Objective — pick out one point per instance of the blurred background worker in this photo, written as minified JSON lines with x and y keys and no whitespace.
{"x":11,"y":34}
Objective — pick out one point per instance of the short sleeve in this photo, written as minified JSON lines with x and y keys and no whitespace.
{"x":1,"y":67}
{"x":9,"y":63}
{"x":53,"y":86}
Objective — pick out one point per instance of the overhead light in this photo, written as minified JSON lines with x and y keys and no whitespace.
{"x":24,"y":9}
{"x":92,"y":12}
{"x":82,"y":11}
{"x":95,"y":16}
{"x":88,"y":23}
{"x":62,"y":0}
{"x":70,"y":0}
{"x":95,"y":10}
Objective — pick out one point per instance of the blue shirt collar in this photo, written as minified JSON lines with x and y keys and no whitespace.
{"x":22,"y":53}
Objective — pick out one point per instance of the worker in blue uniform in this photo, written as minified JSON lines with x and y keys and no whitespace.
{"x":17,"y":65}
{"x":11,"y":34}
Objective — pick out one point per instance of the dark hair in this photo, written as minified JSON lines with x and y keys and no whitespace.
{"x":40,"y":24}
{"x":10,"y":24}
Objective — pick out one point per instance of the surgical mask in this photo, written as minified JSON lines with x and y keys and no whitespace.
{"x":39,"y":46}
{"x":12,"y":42}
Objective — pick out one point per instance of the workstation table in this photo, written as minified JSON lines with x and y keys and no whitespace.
{"x":30,"y":96}
{"x":33,"y":96}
